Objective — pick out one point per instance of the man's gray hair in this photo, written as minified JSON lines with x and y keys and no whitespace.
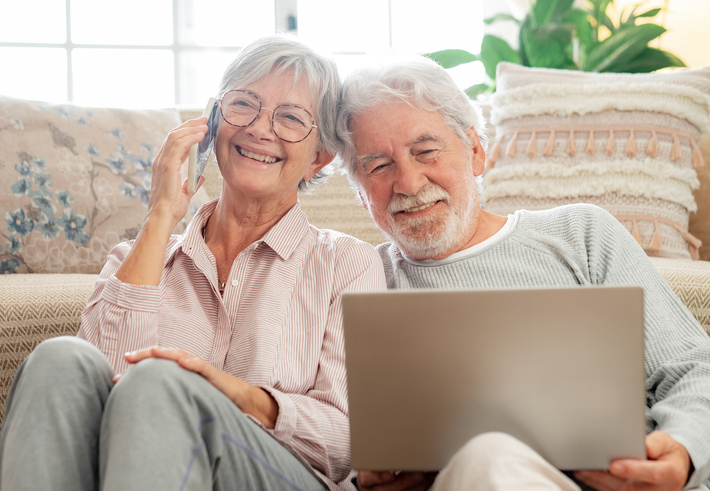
{"x":416,"y":80}
{"x":282,"y":52}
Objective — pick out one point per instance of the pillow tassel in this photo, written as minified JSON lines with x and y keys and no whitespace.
{"x":655,"y":244}
{"x":697,"y":156}
{"x":635,"y":232}
{"x":591,"y":143}
{"x":571,"y":145}
{"x":675,"y":150}
{"x":652,"y":148}
{"x":550,"y":145}
{"x":693,"y":245}
{"x":513,"y":146}
{"x":611,"y":144}
{"x":495,"y":155}
{"x":532,"y":145}
{"x":631,"y":146}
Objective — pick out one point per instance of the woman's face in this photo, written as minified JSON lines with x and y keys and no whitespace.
{"x":257,"y":163}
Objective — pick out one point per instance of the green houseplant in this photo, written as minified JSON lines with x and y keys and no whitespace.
{"x":556,"y":34}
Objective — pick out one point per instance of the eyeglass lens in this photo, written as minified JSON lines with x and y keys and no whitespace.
{"x":291,"y":123}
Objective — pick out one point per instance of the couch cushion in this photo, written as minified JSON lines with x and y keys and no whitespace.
{"x":74,"y":182}
{"x":699,"y":224}
{"x":625,"y":142}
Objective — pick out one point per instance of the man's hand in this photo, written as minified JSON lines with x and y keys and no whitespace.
{"x":395,"y":481}
{"x":667,"y":469}
{"x":249,"y":398}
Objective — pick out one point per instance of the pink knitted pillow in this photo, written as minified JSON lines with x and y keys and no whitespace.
{"x":625,"y":142}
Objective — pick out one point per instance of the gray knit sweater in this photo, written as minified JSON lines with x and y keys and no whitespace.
{"x":585,"y":245}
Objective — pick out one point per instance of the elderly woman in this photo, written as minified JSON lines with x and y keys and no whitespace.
{"x":228,"y":337}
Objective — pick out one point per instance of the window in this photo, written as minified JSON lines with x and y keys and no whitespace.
{"x":162,"y":53}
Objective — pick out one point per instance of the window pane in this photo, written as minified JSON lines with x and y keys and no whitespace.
{"x":33,"y":21}
{"x":200,"y":75}
{"x":226,"y":22}
{"x":417,"y":26}
{"x":140,"y":78}
{"x":345,"y":26}
{"x":130,"y":22}
{"x":34,"y":73}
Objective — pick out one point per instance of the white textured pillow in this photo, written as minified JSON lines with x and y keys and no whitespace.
{"x":625,"y":142}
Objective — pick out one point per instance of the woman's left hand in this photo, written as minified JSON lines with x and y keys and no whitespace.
{"x":249,"y":398}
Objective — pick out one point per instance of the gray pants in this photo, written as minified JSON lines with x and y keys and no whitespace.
{"x":161,"y":427}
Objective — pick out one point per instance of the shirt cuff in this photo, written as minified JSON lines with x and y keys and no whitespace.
{"x":286,"y":420}
{"x":131,"y":297}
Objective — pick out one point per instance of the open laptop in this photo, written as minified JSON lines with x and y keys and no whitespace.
{"x":560,"y":369}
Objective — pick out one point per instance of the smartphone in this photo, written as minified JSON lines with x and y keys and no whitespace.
{"x":200,"y":152}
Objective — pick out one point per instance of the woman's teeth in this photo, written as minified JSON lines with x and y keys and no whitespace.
{"x":256,"y":156}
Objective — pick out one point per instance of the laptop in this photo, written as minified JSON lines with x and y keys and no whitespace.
{"x":560,"y":369}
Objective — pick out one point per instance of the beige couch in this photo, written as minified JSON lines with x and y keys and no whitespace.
{"x":34,"y":307}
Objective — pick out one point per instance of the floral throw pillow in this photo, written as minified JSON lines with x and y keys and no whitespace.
{"x":74,"y":182}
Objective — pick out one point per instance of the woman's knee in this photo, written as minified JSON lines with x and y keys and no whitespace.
{"x":153,"y":376}
{"x":490,"y":446}
{"x":69,"y":356}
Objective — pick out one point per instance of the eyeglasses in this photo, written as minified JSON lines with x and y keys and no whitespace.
{"x":290,"y":122}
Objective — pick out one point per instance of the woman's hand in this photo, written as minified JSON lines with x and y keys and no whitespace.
{"x":168,"y":204}
{"x":250,"y":399}
{"x":168,"y":194}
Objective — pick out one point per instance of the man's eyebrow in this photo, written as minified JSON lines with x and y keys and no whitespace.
{"x":425,"y":138}
{"x":363,"y":160}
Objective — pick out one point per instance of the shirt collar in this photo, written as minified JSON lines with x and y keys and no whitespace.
{"x":283,"y":237}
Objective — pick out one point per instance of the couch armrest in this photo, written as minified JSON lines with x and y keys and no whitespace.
{"x":690,"y":280}
{"x":36,"y":307}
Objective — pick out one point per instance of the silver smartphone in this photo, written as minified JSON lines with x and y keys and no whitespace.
{"x":200,"y":152}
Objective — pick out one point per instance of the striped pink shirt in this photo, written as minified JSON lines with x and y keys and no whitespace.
{"x":279,"y":325}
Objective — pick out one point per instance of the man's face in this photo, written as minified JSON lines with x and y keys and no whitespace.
{"x":417,"y":178}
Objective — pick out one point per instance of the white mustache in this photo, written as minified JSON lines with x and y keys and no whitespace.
{"x":427,"y":195}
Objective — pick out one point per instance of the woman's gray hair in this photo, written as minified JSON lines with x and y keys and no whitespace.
{"x":282,"y":52}
{"x":416,"y":80}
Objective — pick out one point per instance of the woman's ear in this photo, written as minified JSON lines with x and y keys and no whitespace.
{"x":322,"y":159}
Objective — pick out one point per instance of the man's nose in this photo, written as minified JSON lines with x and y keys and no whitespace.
{"x":410,"y":177}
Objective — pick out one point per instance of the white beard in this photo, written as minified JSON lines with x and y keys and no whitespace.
{"x":427,"y":237}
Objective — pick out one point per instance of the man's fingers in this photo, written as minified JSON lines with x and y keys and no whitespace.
{"x":368,"y":479}
{"x":600,"y":480}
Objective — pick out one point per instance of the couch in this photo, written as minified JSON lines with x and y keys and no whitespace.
{"x":48,"y":292}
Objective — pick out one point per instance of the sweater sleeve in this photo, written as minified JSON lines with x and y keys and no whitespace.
{"x":316,"y":424}
{"x":677,"y":350}
{"x":120,"y":317}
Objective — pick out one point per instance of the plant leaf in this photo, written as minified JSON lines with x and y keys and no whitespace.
{"x":580,"y":19}
{"x":500,"y":16}
{"x":649,"y":60}
{"x":621,"y":47}
{"x":544,"y":12}
{"x":474,"y":90}
{"x":649,"y":13}
{"x":493,"y":51}
{"x":547,"y":47}
{"x":449,"y":58}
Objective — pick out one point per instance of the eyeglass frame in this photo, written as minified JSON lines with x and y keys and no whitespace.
{"x":273,"y":113}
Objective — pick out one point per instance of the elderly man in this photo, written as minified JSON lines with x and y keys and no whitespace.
{"x":414,"y":147}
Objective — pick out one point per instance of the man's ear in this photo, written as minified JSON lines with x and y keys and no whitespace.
{"x":322,"y":159}
{"x":478,"y":154}
{"x":363,"y":199}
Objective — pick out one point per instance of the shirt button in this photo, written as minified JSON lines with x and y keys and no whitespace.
{"x":235,"y":283}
